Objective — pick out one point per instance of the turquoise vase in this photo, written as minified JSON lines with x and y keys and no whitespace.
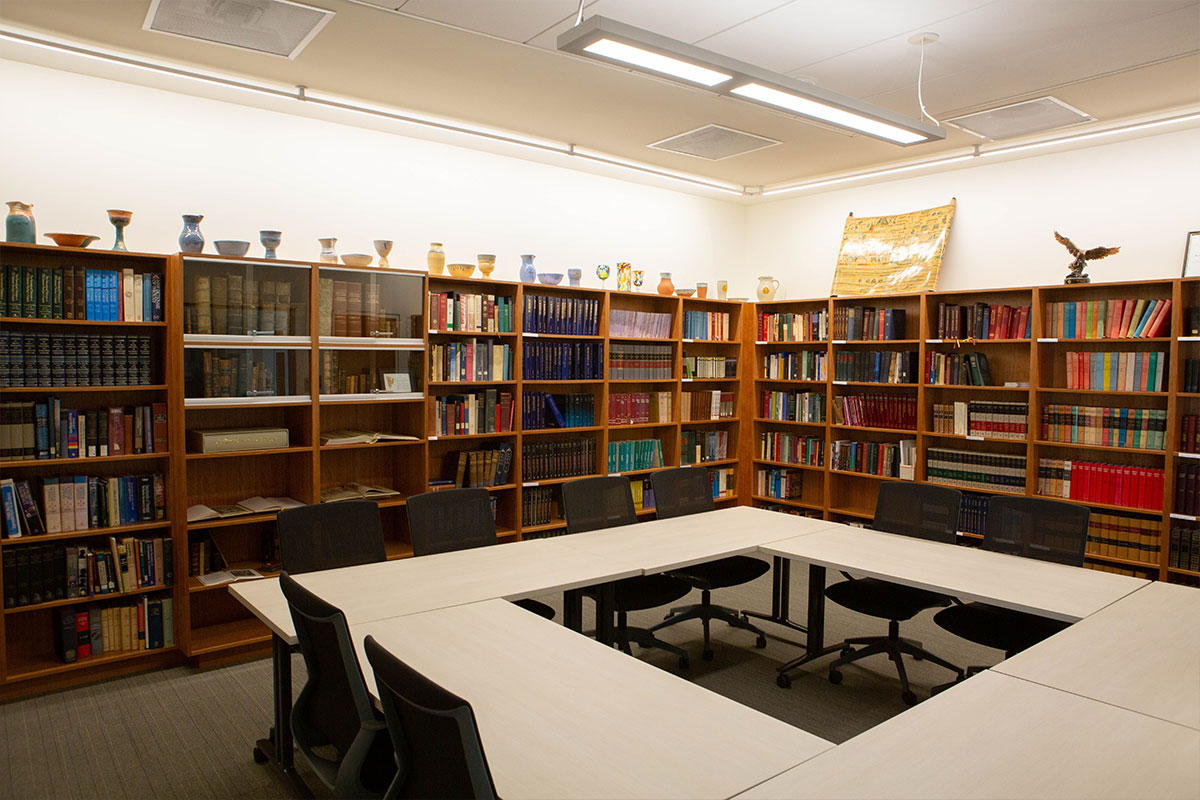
{"x":191,"y":240}
{"x":19,"y":225}
{"x":528,"y":273}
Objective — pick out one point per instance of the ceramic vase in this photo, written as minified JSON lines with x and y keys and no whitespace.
{"x":119,"y":220}
{"x":435,"y":259}
{"x":624,"y":275}
{"x":701,"y":290}
{"x":19,"y":225}
{"x":191,"y":240}
{"x":270,"y":241}
{"x":383,"y":247}
{"x":487,"y":263}
{"x":639,"y":277}
{"x":573,"y":275}
{"x":528,"y":273}
{"x":767,"y":287}
{"x":602,"y":272}
{"x":665,"y":287}
{"x":328,"y":256}
{"x":722,"y":289}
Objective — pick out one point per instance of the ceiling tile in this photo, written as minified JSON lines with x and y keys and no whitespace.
{"x":685,"y":20}
{"x":517,"y":21}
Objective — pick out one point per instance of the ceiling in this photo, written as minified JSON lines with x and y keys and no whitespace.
{"x":493,"y":62}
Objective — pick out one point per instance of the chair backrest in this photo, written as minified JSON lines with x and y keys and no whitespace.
{"x":1050,"y":530}
{"x":918,"y":509}
{"x":330,"y":535}
{"x":452,"y":519}
{"x":334,"y":703}
{"x":433,"y":730}
{"x":590,"y":504}
{"x":681,"y":491}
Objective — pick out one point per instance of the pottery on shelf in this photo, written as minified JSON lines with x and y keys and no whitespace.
{"x":231,"y":247}
{"x":685,"y":292}
{"x":270,"y":241}
{"x":767,"y":287}
{"x":436,"y":258}
{"x":665,"y":287}
{"x":357,"y":259}
{"x":383,"y":247}
{"x":119,"y":219}
{"x":550,"y":278}
{"x":487,"y":263}
{"x":19,"y":225}
{"x":461,"y":270}
{"x":528,"y":273}
{"x":639,"y":277}
{"x":191,"y":240}
{"x":328,"y":256}
{"x":602,"y":272}
{"x":71,"y":239}
{"x":624,"y":275}
{"x":722,"y":289}
{"x":701,"y":290}
{"x":573,"y":275}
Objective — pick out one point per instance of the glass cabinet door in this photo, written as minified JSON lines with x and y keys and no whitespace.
{"x":240,"y":298}
{"x":215,"y":375}
{"x":378,"y":304}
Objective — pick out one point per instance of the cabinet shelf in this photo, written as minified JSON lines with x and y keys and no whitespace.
{"x":79,"y":322}
{"x":30,"y":463}
{"x":788,"y":501}
{"x":118,"y":530}
{"x":790,"y":465}
{"x":33,"y":668}
{"x":149,"y":387}
{"x":87,"y":599}
{"x":1104,"y":447}
{"x":274,"y":451}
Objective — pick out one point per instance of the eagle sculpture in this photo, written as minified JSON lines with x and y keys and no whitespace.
{"x":1081,"y":258}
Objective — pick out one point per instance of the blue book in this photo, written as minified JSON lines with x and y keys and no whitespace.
{"x":113,"y":294}
{"x":41,"y":427}
{"x":129,"y":493}
{"x":154,"y":625}
{"x":72,"y":437}
{"x":8,"y":498}
{"x":1141,"y":323}
{"x":1070,"y":323}
{"x":1138,"y":360}
{"x":156,"y":298}
{"x":89,"y":290}
{"x":1097,"y":370}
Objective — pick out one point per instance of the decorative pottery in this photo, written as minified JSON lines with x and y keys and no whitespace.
{"x":665,"y":287}
{"x":461,"y":270}
{"x":487,"y":263}
{"x":602,"y":272}
{"x":231,"y":247}
{"x":269,"y":240}
{"x":767,"y":287}
{"x":685,"y":292}
{"x":624,"y":274}
{"x":328,"y":256}
{"x":71,"y":239}
{"x":639,"y":277}
{"x":573,"y":275}
{"x":358,"y":259}
{"x":701,"y":290}
{"x":528,"y":273}
{"x":19,"y":225}
{"x":191,"y":240}
{"x":550,"y":278}
{"x":383,"y":247}
{"x":722,"y":289}
{"x":119,"y":220}
{"x":436,"y":258}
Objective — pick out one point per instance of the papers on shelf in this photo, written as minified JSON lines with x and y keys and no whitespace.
{"x":261,"y":505}
{"x":251,"y":505}
{"x":228,"y":576}
{"x":355,"y":436}
{"x":355,"y":491}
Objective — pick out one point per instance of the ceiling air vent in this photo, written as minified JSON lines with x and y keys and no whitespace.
{"x":1021,"y":119}
{"x":277,"y":27}
{"x":714,"y":142}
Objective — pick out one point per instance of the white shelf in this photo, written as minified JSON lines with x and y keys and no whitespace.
{"x":273,"y":400}
{"x":380,"y":397}
{"x":197,"y":340}
{"x":369,"y":343}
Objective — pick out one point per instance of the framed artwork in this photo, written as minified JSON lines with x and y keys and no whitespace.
{"x":893,"y":254}
{"x":1191,"y":255}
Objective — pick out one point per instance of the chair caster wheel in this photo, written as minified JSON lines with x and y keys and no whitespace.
{"x":761,"y":642}
{"x":684,"y":662}
{"x":259,"y":756}
{"x":783,"y":681}
{"x":918,"y":657}
{"x":835,"y":677}
{"x":707,"y":655}
{"x":909,"y":698}
{"x":846,"y":651}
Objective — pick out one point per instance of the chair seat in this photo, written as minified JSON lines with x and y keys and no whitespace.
{"x":883,"y":599}
{"x":723,"y":572}
{"x":644,"y":591}
{"x":1010,"y":631}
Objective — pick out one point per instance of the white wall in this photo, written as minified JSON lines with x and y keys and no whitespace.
{"x":1140,"y":195}
{"x":76,"y":145}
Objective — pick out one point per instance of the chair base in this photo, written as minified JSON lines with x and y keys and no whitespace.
{"x":643,"y":637}
{"x":941,"y":687}
{"x":706,"y":612}
{"x":896,"y":648}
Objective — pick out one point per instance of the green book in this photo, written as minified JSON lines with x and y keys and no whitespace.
{"x":12,"y":276}
{"x":29,"y":295}
{"x":56,"y":293}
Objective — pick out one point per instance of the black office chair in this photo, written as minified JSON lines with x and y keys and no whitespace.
{"x":911,"y":509}
{"x":591,"y":504}
{"x":1049,"y":530}
{"x":457,"y":519}
{"x":330,"y":535}
{"x":688,"y":490}
{"x":438,"y":749}
{"x":334,"y":714}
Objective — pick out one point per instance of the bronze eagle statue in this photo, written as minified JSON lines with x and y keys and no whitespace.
{"x":1082,"y":257}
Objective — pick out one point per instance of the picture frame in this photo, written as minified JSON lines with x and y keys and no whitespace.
{"x":397,"y":382}
{"x":1191,"y":255}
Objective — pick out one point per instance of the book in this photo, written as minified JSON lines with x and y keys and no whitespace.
{"x":227,"y":576}
{"x":355,"y":436}
{"x":263,"y":505}
{"x":356,"y":491}
{"x":200,"y":512}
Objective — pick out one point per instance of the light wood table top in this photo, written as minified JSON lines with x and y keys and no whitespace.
{"x":995,"y":736}
{"x":1024,"y":584}
{"x":562,"y":716}
{"x":1141,"y":653}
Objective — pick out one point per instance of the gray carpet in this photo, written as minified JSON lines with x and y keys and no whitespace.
{"x":188,"y":734}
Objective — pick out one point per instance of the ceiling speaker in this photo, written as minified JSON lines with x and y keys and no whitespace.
{"x":714,"y":142}
{"x":277,"y":27}
{"x":1021,"y":119}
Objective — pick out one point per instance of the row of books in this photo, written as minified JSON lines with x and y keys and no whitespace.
{"x":562,"y":361}
{"x":640,"y":362}
{"x":1120,"y":372}
{"x":82,"y":633}
{"x":489,"y":467}
{"x":876,"y":411}
{"x":234,"y":305}
{"x":642,"y":490}
{"x":1092,"y":482}
{"x":81,"y":294}
{"x":488,"y":411}
{"x":558,"y":458}
{"x":1133,"y":538}
{"x":575,"y":316}
{"x":634,"y":454}
{"x":1191,"y":375}
{"x":804,"y":365}
{"x":792,"y":406}
{"x":699,"y":406}
{"x":972,"y":469}
{"x":710,"y":326}
{"x":1187,"y":489}
{"x":639,"y":324}
{"x":1109,"y":319}
{"x":44,"y":573}
{"x":876,"y":366}
{"x":470,"y":360}
{"x":989,"y":419}
{"x":1189,"y":434}
{"x":1183,"y":551}
{"x":696,"y":447}
{"x":709,"y":366}
{"x":74,"y":359}
{"x":633,"y":408}
{"x":957,"y":369}
{"x":1136,"y":428}
{"x":336,"y":377}
{"x":983,"y":321}
{"x":350,"y":308}
{"x":538,"y":506}
{"x":972,"y":513}
{"x":236,"y":373}
{"x":791,"y":448}
{"x":721,"y":479}
{"x":783,"y":484}
{"x":80,"y":502}
{"x":43,"y":429}
{"x":873,"y":458}
{"x":793,"y":326}
{"x":867,"y":323}
{"x":542,"y":410}
{"x":475,"y":313}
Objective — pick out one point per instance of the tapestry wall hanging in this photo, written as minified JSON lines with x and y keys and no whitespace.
{"x":893,"y":254}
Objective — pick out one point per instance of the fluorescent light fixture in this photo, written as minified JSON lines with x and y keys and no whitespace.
{"x":656,"y":62}
{"x":624,"y":45}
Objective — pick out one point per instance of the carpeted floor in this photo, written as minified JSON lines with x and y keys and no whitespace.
{"x":187,"y":733}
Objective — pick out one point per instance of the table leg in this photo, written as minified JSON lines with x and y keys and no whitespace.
{"x":781,"y":590}
{"x":605,"y":608}
{"x":814,"y":648}
{"x":573,"y":610}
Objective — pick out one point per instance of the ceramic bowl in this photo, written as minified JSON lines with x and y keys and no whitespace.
{"x":550,"y":278}
{"x":685,"y":292}
{"x":461,"y":270}
{"x":71,"y":239}
{"x":231,"y":247}
{"x":357,"y":259}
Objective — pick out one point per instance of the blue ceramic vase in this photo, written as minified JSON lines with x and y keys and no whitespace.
{"x":191,"y":240}
{"x":528,"y":273}
{"x":19,"y":225}
{"x":269,"y":240}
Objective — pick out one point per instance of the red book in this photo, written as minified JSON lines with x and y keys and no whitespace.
{"x":158,"y":413}
{"x":116,"y":432}
{"x":83,"y":635}
{"x":1114,"y":324}
{"x":1160,"y":322}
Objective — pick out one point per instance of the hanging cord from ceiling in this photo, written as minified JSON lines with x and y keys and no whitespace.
{"x":579,"y":14}
{"x":922,"y":39}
